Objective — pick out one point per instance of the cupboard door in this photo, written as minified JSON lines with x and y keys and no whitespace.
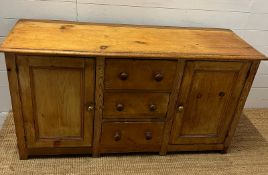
{"x":55,"y":94}
{"x":207,"y":100}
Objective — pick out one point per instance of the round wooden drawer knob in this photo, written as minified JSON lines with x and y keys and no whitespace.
{"x":152,"y":107}
{"x":221,"y":94}
{"x":158,"y":76}
{"x":148,"y":135}
{"x":119,"y":107}
{"x":117,"y":136}
{"x":123,"y":75}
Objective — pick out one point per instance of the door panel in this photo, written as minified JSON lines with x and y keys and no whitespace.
{"x":55,"y":95}
{"x":208,"y":94}
{"x":59,"y":112}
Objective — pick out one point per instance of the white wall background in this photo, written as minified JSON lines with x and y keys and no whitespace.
{"x":248,"y":18}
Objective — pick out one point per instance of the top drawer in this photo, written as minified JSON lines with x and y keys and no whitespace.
{"x":139,"y":74}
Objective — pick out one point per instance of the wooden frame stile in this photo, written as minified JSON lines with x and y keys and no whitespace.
{"x":99,"y":88}
{"x":172,"y":107}
{"x":16,"y":104}
{"x":243,"y":97}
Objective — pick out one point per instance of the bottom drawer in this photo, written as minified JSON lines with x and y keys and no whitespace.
{"x":131,"y":136}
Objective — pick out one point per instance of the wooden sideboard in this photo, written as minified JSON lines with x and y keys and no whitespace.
{"x":84,"y":88}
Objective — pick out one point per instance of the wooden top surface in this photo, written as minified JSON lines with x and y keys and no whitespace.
{"x":88,"y":39}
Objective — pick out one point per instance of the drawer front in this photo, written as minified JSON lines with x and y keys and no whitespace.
{"x":131,"y":134}
{"x":135,"y":105}
{"x":139,"y":74}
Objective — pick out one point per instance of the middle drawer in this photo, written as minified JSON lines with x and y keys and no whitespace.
{"x":135,"y":105}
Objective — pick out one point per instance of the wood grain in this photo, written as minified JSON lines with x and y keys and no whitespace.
{"x":209,"y":94}
{"x":172,"y":106}
{"x":141,"y":74}
{"x":31,"y":36}
{"x":100,"y":62}
{"x":135,"y":105}
{"x":147,"y":88}
{"x":240,"y":104}
{"x":51,"y":112}
{"x":54,"y":100}
{"x":131,"y":135}
{"x":16,"y":104}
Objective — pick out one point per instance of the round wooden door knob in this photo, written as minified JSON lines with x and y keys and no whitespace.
{"x":119,"y":107}
{"x":180,"y":108}
{"x":158,"y":76}
{"x":117,"y":136}
{"x":90,"y":108}
{"x":152,"y":107}
{"x":123,"y":75}
{"x":148,"y":135}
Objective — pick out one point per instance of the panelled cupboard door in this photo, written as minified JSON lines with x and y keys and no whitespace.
{"x":207,"y":100}
{"x":55,"y":94}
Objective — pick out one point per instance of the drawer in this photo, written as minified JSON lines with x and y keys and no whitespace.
{"x":139,"y":74}
{"x":131,"y":134}
{"x":135,"y":105}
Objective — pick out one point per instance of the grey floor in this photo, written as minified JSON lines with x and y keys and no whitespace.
{"x":2,"y":118}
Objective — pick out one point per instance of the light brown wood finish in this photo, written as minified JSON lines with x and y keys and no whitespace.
{"x":135,"y":105}
{"x":55,"y":97}
{"x":147,"y":89}
{"x":172,"y":106}
{"x":98,"y":105}
{"x":139,"y":74}
{"x":16,"y":104}
{"x":35,"y":36}
{"x":209,"y":94}
{"x":241,"y":103}
{"x":128,"y":135}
